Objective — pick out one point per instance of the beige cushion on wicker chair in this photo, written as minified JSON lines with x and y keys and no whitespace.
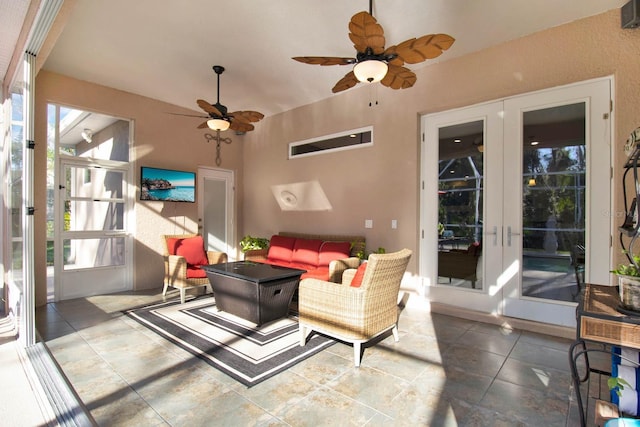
{"x":355,"y":314}
{"x":175,"y":268}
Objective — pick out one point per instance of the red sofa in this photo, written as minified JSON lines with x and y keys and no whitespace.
{"x":323,"y":257}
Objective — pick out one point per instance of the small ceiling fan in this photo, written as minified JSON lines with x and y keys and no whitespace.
{"x":219,"y":119}
{"x":373,"y":62}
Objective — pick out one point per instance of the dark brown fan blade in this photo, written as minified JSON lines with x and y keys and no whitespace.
{"x":347,"y":82}
{"x":208,"y":107}
{"x":413,"y":51}
{"x":203,"y":125}
{"x":399,"y":77}
{"x":239,"y":126}
{"x":247,"y":116}
{"x":188,"y":115}
{"x":366,"y":32}
{"x":324,"y":60}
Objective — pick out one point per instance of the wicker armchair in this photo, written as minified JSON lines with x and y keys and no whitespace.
{"x":180,"y":275}
{"x":355,"y":314}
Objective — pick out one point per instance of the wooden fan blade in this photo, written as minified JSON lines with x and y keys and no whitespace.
{"x":239,"y":126}
{"x":247,"y":116}
{"x":203,"y":125}
{"x":347,"y":82}
{"x":399,"y":77}
{"x":366,"y":32}
{"x":413,"y":51}
{"x":324,"y":60}
{"x":208,"y":107}
{"x":188,"y":115}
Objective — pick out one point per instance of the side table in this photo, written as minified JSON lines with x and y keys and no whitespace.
{"x":599,"y":321}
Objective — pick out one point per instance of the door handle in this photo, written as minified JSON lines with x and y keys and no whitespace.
{"x":494,"y":233}
{"x":509,"y":234}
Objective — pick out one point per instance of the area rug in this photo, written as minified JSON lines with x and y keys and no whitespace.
{"x":235,"y":346}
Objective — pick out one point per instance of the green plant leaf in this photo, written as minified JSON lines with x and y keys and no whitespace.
{"x":617,"y":384}
{"x":250,"y":243}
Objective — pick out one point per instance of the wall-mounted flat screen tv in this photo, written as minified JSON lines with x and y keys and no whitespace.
{"x":167,"y":185}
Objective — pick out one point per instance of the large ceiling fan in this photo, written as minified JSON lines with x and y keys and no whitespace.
{"x":219,"y":119}
{"x":373,"y":62}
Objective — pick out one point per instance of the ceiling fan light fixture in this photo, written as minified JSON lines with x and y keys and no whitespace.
{"x":218,"y":124}
{"x":370,"y":71}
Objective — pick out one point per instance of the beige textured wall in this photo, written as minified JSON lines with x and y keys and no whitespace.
{"x":381,"y":183}
{"x":160,"y":140}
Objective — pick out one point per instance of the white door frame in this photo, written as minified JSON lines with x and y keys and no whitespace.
{"x":227,"y":176}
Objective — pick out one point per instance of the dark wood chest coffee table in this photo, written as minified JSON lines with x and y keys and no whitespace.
{"x":253,"y":291}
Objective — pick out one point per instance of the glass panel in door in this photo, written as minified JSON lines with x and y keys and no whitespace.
{"x":553,"y":202}
{"x":460,"y":204}
{"x":215,"y":218}
{"x":215,"y":210}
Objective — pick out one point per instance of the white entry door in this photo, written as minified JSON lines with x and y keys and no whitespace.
{"x":462,"y":207}
{"x":216,"y":210}
{"x":558,"y":190}
{"x":512,"y":191}
{"x":93,"y":246}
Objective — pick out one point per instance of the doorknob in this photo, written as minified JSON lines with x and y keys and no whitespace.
{"x":494,"y":233}
{"x":509,"y":234}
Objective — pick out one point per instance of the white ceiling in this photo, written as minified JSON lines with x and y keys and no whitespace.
{"x":164,"y":49}
{"x":12,"y":14}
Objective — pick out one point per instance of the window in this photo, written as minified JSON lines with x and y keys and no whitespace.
{"x":355,"y":138}
{"x":15,"y":183}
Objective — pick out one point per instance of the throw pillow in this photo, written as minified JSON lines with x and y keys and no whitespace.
{"x":192,"y":249}
{"x":281,"y":248}
{"x":357,"y":278}
{"x":330,"y":251}
{"x":172,"y":242}
{"x":305,"y":251}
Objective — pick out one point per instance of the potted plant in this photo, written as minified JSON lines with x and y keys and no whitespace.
{"x":629,"y":283}
{"x":362,"y":254}
{"x":250,"y":243}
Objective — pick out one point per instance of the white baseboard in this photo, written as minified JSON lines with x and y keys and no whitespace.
{"x":508,"y":322}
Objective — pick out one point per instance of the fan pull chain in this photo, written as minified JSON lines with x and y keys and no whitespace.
{"x":373,"y":95}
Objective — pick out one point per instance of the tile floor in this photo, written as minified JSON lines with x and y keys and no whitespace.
{"x":444,"y":371}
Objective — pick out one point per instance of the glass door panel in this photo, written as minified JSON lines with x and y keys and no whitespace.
{"x":553,"y":201}
{"x":93,"y":199}
{"x":90,"y":253}
{"x":460,"y":204}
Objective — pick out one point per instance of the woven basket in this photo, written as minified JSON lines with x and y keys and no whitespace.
{"x":629,"y":292}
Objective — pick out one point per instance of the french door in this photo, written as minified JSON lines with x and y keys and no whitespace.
{"x":513,"y":199}
{"x":216,"y":210}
